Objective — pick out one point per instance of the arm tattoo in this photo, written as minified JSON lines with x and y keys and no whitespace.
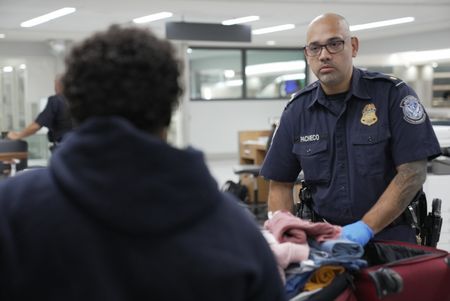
{"x":409,"y":179}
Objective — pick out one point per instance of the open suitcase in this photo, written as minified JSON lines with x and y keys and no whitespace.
{"x":404,"y":271}
{"x":397,"y":271}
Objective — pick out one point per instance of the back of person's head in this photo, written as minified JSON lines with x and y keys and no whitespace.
{"x":123,"y":71}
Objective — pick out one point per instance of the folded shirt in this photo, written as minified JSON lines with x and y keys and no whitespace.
{"x":288,"y":228}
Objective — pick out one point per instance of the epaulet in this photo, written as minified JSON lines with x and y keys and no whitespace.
{"x":303,"y":91}
{"x":377,"y":75}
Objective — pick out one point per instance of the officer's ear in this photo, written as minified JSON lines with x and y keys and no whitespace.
{"x":355,"y":46}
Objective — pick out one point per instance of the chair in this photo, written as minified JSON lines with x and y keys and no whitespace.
{"x":13,"y":156}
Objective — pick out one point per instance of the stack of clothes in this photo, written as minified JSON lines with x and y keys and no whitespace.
{"x":309,"y":255}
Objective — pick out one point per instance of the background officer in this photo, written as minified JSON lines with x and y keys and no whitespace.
{"x":361,"y":138}
{"x":55,"y":117}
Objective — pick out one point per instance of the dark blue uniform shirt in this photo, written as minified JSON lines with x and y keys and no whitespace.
{"x":56,"y":118}
{"x":349,"y":153}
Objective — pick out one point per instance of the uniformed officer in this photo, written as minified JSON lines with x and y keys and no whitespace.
{"x":362,"y":140}
{"x":55,"y":117}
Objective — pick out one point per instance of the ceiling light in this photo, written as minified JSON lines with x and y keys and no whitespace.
{"x":234,"y":83}
{"x":418,"y":57}
{"x":2,"y":36}
{"x":47,"y":17}
{"x":229,"y":73}
{"x":240,"y":20}
{"x":153,"y":17}
{"x":381,"y":23}
{"x":273,"y":29}
{"x":276,"y":67}
{"x":271,"y":43}
{"x":287,"y":77}
{"x":8,"y":69}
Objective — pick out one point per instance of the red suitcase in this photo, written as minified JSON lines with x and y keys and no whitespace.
{"x":403,"y":271}
{"x":397,"y":271}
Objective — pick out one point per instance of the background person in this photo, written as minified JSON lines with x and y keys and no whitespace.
{"x":119,"y":214}
{"x":361,"y":138}
{"x":55,"y":117}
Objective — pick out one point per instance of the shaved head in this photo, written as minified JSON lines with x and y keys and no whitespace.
{"x":330,"y":20}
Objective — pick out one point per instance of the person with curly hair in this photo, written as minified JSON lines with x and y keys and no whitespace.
{"x":119,"y":214}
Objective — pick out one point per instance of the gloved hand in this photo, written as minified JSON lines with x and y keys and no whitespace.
{"x":358,"y":232}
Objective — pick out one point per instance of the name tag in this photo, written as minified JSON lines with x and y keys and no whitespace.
{"x":309,"y":138}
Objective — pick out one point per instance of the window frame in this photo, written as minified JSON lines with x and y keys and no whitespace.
{"x":243,"y":59}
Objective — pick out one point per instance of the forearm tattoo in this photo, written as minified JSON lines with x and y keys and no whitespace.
{"x":409,"y":179}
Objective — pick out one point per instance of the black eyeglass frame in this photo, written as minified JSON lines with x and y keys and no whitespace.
{"x":327,"y":45}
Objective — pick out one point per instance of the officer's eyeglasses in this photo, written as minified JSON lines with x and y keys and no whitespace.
{"x":333,"y":46}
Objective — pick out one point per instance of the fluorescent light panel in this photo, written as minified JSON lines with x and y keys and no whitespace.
{"x":286,"y":77}
{"x":47,"y":17}
{"x":240,"y":20}
{"x":153,"y":17}
{"x":2,"y":36}
{"x":273,"y":29}
{"x":417,"y":57}
{"x":381,"y":23}
{"x":274,"y":67}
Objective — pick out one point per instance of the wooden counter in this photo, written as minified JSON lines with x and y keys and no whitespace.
{"x":252,"y":151}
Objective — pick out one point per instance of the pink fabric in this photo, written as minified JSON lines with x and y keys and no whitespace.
{"x":288,"y":252}
{"x":285,"y":253}
{"x":286,"y":227}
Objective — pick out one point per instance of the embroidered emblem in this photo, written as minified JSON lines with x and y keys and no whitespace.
{"x":413,"y":111}
{"x":369,"y":116}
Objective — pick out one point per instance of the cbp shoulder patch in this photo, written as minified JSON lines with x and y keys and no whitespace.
{"x":413,"y":111}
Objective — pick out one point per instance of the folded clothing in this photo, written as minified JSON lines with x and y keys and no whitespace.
{"x":322,"y":277}
{"x":288,"y":228}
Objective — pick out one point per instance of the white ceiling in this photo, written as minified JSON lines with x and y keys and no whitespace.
{"x":92,"y":15}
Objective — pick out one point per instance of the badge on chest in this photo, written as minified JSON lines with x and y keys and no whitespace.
{"x":369,"y":115}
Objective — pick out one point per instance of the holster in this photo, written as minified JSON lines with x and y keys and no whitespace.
{"x":305,"y":209}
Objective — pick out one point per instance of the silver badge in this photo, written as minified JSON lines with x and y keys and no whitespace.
{"x":413,"y":111}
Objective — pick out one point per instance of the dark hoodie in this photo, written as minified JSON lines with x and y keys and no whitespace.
{"x":121,"y":215}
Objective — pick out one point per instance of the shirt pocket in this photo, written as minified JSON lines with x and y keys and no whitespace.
{"x":371,"y":152}
{"x":315,"y":160}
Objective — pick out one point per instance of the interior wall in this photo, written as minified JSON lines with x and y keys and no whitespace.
{"x":213,"y":126}
{"x":417,"y":42}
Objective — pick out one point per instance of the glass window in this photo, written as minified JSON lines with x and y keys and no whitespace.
{"x":441,"y":85}
{"x":245,"y":73}
{"x":274,"y":73}
{"x":215,"y":73}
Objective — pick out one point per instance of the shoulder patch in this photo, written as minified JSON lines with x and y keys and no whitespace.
{"x":413,"y":111}
{"x":303,"y":91}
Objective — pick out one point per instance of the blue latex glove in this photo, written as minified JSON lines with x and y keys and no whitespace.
{"x":358,"y":232}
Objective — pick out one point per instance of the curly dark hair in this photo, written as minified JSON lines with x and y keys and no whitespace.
{"x":123,"y":71}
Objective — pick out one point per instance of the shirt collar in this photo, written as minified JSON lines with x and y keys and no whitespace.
{"x":358,"y":89}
